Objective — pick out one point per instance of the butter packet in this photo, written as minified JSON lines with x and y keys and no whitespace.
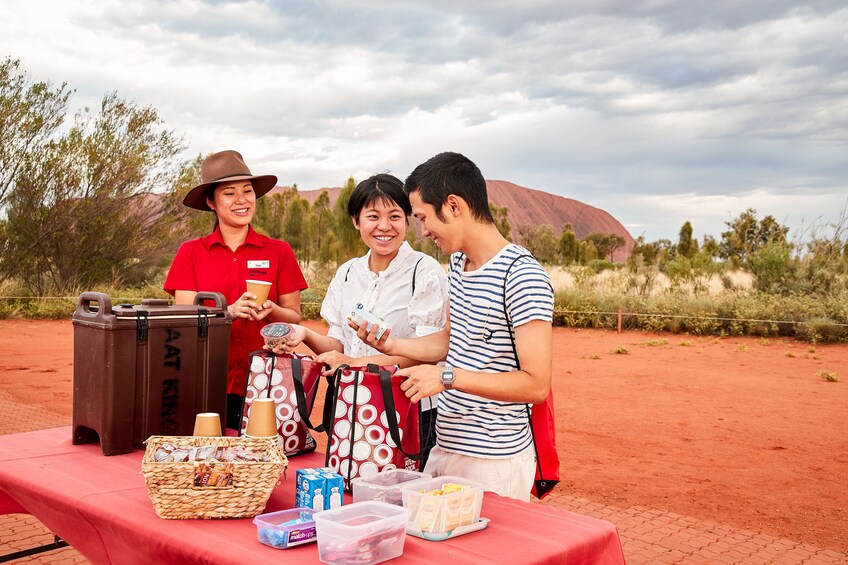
{"x":359,"y":315}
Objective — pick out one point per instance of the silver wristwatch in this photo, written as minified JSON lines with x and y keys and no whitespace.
{"x":448,"y":377}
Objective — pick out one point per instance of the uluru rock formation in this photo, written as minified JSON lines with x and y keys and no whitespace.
{"x":526,"y":206}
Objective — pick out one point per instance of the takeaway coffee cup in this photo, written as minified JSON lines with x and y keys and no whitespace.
{"x":207,"y":424}
{"x":262,"y":418}
{"x":260,"y":289}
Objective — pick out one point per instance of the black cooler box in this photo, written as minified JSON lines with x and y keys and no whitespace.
{"x":147,"y":370}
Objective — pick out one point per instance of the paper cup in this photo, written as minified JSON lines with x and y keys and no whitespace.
{"x":260,"y":289}
{"x":207,"y":424}
{"x":261,"y":419}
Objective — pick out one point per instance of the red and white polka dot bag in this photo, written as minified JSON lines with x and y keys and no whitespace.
{"x":371,"y":425}
{"x":292,"y":381}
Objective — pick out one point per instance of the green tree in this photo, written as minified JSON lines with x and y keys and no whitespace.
{"x":710,"y":246}
{"x":296,"y":227}
{"x":178,"y":223}
{"x":348,"y":242}
{"x":272,"y":213}
{"x":686,"y":245}
{"x":499,"y":213}
{"x":605,"y":243}
{"x":746,"y":234}
{"x":80,"y":212}
{"x":772,"y":266}
{"x":642,"y":266}
{"x":569,"y":247}
{"x":540,"y":241}
{"x":319,"y":216}
{"x":695,"y":271}
{"x":588,"y":251}
{"x":646,"y":253}
{"x":30,"y":114}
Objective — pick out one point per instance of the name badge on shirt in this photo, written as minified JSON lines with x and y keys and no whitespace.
{"x":259,"y":264}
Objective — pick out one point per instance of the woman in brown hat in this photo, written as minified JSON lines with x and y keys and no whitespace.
{"x":232,"y":254}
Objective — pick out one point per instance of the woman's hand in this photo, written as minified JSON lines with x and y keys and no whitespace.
{"x":333,"y":359}
{"x":369,"y":336}
{"x":245,"y":307}
{"x":258,"y":311}
{"x":292,"y":340}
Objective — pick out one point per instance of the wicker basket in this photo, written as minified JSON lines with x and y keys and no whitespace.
{"x":172,"y":489}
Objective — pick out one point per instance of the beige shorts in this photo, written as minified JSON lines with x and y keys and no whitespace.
{"x":506,"y":476}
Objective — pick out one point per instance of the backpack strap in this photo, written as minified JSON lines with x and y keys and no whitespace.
{"x":506,"y":314}
{"x":518,"y":362}
{"x":414,"y":271}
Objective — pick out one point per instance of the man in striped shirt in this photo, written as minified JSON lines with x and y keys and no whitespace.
{"x":496,"y":344}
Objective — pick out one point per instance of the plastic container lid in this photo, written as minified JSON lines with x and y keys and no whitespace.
{"x":286,"y":528}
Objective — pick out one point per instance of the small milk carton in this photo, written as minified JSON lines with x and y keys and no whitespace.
{"x":334,"y":489}
{"x":319,"y":489}
{"x":308,"y":481}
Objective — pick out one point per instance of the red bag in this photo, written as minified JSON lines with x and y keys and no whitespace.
{"x":543,"y":425}
{"x":292,"y":382}
{"x":371,"y":425}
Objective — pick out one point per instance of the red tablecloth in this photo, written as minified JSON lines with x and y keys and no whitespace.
{"x":100,"y":506}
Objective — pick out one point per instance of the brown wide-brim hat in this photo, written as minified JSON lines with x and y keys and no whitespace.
{"x":225,"y":166}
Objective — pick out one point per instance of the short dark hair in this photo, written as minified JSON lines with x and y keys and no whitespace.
{"x":451,"y":173}
{"x":378,"y":187}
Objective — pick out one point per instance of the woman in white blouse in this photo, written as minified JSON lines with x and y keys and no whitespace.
{"x":406,"y":288}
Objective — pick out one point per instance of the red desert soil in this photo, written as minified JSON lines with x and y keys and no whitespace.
{"x":741,"y":431}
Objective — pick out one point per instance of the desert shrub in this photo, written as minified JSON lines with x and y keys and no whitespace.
{"x":829,"y":376}
{"x":578,"y":309}
{"x":822,"y":330}
{"x":812,"y":318}
{"x":310,"y":310}
{"x":598,"y":265}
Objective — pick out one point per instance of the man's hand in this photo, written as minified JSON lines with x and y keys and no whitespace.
{"x":422,"y":381}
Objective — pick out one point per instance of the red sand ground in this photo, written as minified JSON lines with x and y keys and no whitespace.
{"x":740,"y":431}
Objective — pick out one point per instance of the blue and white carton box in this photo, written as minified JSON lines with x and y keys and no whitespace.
{"x":319,"y":489}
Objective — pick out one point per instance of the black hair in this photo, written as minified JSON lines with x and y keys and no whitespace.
{"x":451,"y":173}
{"x":378,"y":187}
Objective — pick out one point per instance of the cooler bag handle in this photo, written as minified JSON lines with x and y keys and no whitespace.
{"x":330,"y":397}
{"x":155,"y":302}
{"x":391,"y":414}
{"x":333,"y":382}
{"x":104,"y":305}
{"x":216,"y":297}
{"x":300,"y":394}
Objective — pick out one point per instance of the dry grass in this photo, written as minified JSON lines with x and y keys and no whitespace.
{"x":617,"y":281}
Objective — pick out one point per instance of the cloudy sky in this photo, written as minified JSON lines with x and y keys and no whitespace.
{"x":657,"y":111}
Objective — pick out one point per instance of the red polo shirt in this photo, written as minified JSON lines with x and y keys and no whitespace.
{"x":207,"y":264}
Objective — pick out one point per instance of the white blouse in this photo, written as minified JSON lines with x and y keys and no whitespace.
{"x":389,"y":295}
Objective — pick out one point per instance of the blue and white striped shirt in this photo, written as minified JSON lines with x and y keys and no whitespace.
{"x":480,"y":340}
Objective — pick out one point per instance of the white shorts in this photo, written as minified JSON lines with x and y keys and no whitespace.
{"x":506,"y":476}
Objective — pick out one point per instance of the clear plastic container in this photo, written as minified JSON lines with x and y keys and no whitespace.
{"x":286,"y":528}
{"x":442,"y":504}
{"x":362,"y":532}
{"x":275,"y":334}
{"x":385,"y":485}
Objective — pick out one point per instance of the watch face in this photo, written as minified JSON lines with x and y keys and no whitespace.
{"x":448,"y":378}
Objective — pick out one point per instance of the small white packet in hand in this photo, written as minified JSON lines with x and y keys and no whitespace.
{"x":361,"y":316}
